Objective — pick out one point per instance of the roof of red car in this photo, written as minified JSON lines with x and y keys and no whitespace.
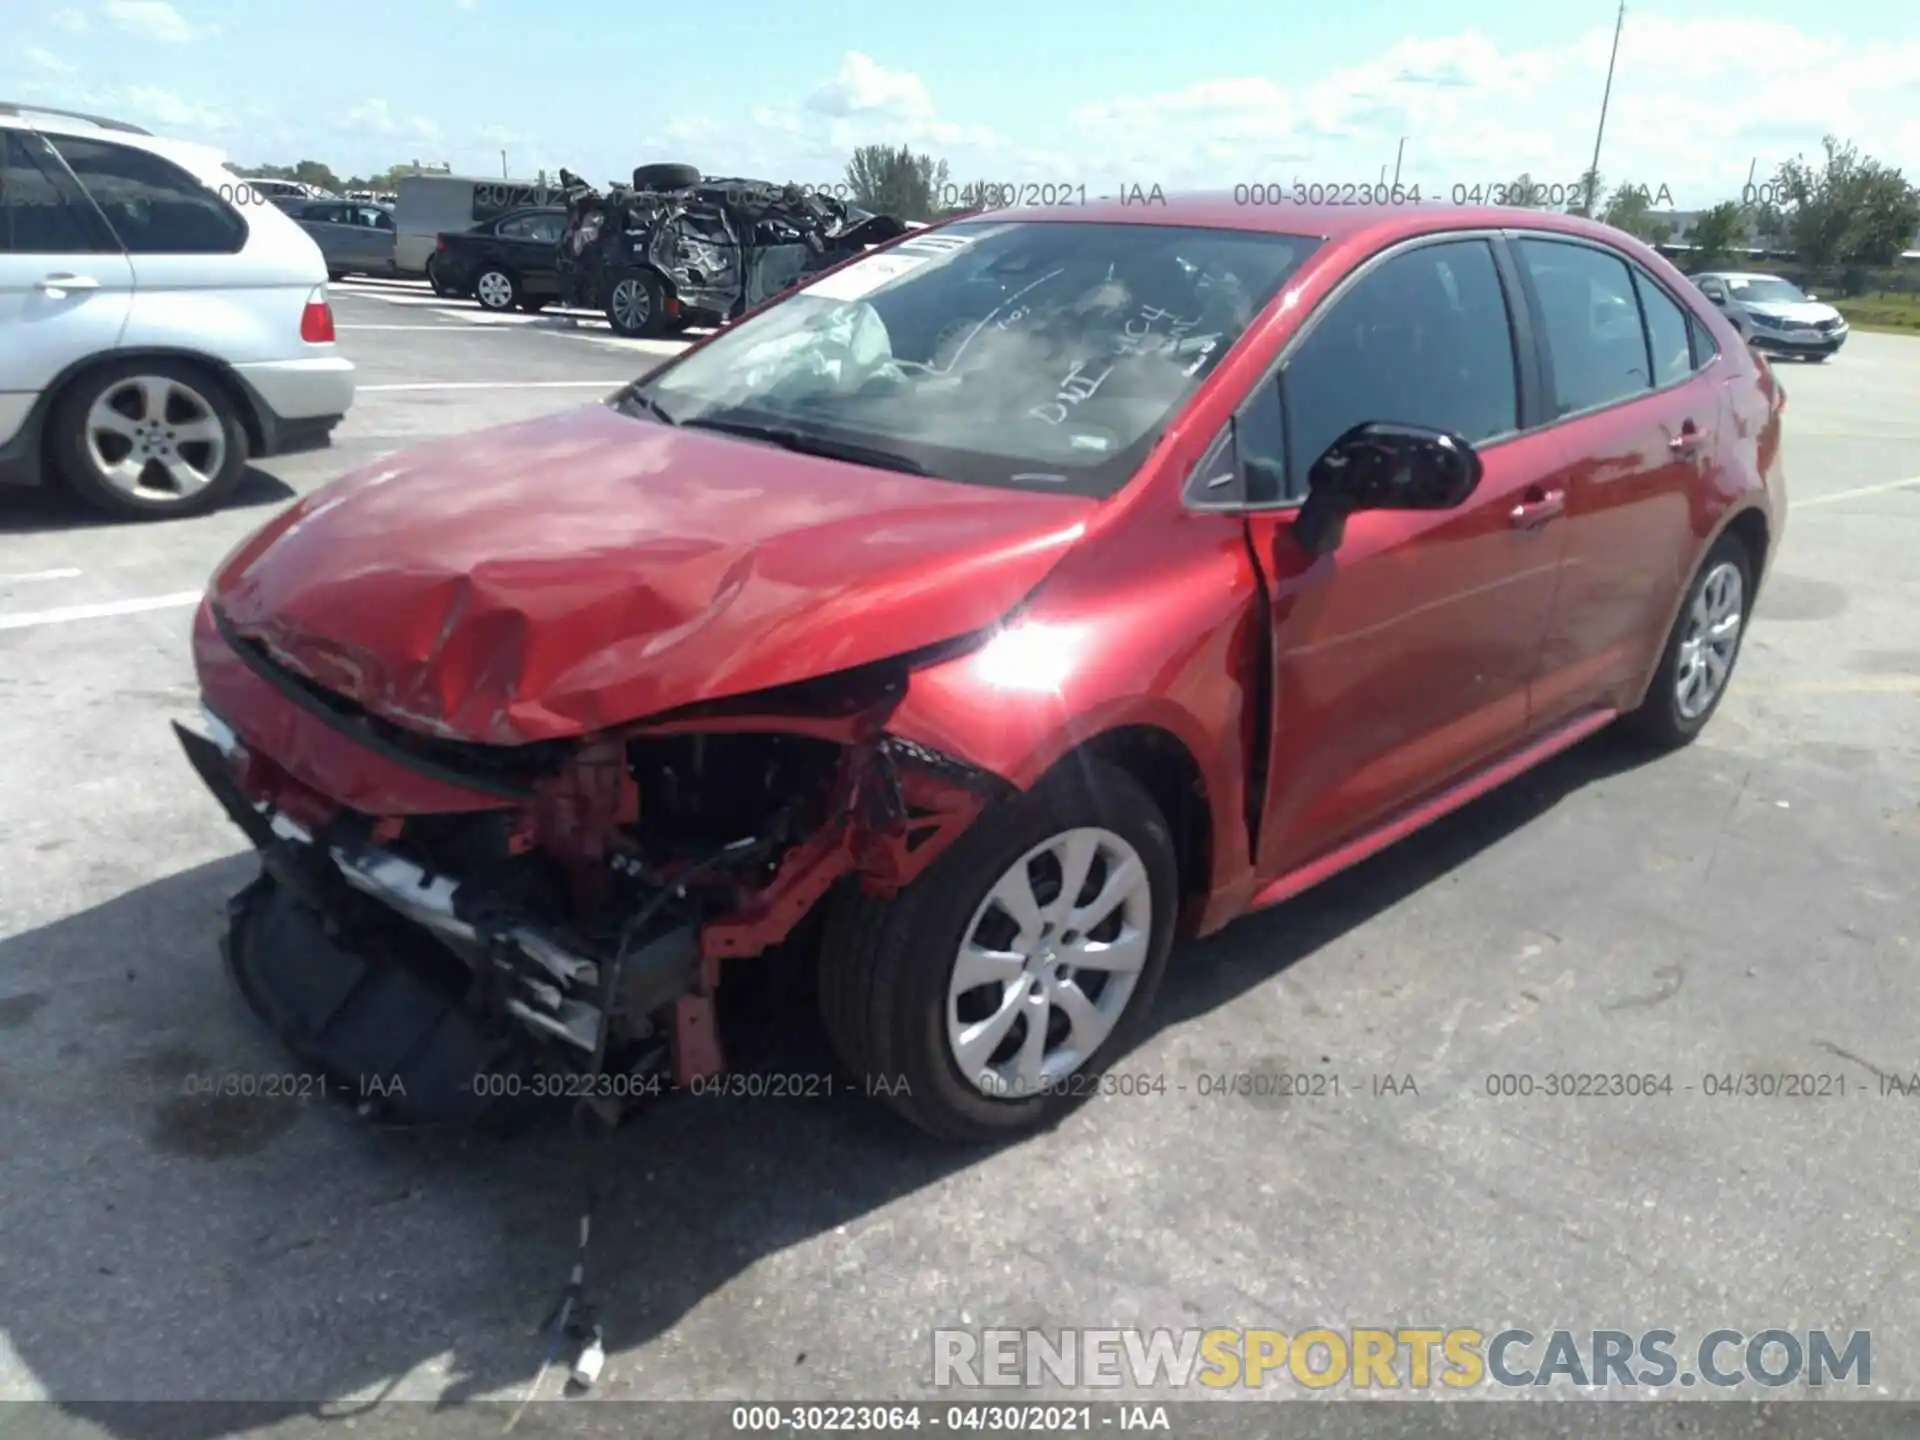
{"x":1138,"y":205}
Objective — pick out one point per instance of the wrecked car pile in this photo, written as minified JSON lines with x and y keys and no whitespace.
{"x":676,"y":249}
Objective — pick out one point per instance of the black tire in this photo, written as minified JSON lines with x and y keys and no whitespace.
{"x":336,"y":275}
{"x":886,"y":965}
{"x":622,"y":318}
{"x":496,"y":289}
{"x":194,"y":389}
{"x":665,"y":177}
{"x":1660,"y":720}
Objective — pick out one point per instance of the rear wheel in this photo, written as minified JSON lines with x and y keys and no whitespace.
{"x":495,"y":289}
{"x":1701,"y":650}
{"x":983,"y":1000}
{"x":150,"y":438}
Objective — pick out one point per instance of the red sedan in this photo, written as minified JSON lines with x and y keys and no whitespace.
{"x":1014,"y":599}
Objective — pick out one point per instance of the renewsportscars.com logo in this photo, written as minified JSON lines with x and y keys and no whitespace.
{"x":1378,"y":1358}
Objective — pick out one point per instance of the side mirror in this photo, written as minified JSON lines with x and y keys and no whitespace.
{"x":1377,"y":466}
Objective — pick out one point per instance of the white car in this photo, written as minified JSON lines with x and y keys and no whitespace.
{"x":1775,"y":315}
{"x":161,"y":323}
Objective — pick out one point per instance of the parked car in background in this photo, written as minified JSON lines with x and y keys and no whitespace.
{"x":159,"y":323}
{"x":430,"y":205}
{"x":508,"y":263}
{"x":355,"y":237}
{"x":1775,"y":314}
{"x":285,"y":192}
{"x":1019,"y":596}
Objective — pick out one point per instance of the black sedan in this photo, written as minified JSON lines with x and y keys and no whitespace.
{"x":505,"y":263}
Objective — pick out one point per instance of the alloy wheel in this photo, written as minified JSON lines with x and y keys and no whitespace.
{"x":494,"y":290}
{"x":1712,"y":635}
{"x":1048,"y":963}
{"x":632,"y":305}
{"x":152,"y":437}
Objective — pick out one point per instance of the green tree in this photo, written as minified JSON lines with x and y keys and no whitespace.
{"x":1631,"y":208}
{"x":1850,"y":209}
{"x":1520,"y":191}
{"x":1717,"y":233}
{"x":1586,"y":200}
{"x":899,"y":182}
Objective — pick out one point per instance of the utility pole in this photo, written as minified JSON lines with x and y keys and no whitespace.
{"x":1398,"y":156}
{"x":503,"y":166}
{"x":1593,"y":171}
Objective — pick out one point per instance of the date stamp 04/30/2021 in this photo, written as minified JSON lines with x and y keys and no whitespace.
{"x":1024,"y":194}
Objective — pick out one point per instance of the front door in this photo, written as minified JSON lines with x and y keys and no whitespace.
{"x":1402,"y":660}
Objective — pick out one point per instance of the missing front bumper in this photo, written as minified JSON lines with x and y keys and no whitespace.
{"x":374,"y":972}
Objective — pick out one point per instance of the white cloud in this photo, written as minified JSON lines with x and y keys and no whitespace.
{"x":71,"y":21}
{"x":170,"y":111}
{"x":47,"y":60}
{"x":376,"y":116}
{"x":1688,"y":112}
{"x":864,"y":86}
{"x":467,"y":4}
{"x":150,"y":20}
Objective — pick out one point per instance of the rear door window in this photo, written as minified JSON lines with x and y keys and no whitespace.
{"x":1666,"y":332}
{"x":154,"y":206}
{"x":1596,"y":347}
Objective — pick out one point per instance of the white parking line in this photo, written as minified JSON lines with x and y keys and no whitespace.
{"x":102,"y":611}
{"x":608,"y":385}
{"x":1837,"y":496}
{"x":443,"y":329}
{"x":26,"y":575}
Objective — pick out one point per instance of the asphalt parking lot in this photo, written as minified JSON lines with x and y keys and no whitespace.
{"x":1748,"y":906}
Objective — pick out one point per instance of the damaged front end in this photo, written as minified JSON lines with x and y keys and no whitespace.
{"x":470,"y":915}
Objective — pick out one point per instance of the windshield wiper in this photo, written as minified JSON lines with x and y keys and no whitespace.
{"x":631,"y":399}
{"x":806,"y":443}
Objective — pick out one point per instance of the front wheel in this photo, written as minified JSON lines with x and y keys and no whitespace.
{"x":1700,"y":652}
{"x":985,"y":999}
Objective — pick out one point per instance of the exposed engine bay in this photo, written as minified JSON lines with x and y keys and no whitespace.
{"x":717,"y":246}
{"x":574,"y":925}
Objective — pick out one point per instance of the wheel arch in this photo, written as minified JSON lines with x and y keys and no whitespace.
{"x":1750,"y":526}
{"x":1169,"y":771}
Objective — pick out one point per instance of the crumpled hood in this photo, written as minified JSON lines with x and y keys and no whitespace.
{"x":573,"y":572}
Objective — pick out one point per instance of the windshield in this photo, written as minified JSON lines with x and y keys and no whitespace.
{"x":1045,"y":355}
{"x":1765,"y":290}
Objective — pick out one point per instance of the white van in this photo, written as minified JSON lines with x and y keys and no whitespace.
{"x":160,"y":320}
{"x":429,"y":205}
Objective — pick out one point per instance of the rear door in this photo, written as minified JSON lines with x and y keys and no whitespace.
{"x":530,"y":243}
{"x":1402,"y":661}
{"x":1639,"y":419}
{"x":229,"y":281}
{"x":66,"y":287}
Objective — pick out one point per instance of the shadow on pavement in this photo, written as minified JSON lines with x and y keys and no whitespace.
{"x":38,"y":510}
{"x":270,"y":1252}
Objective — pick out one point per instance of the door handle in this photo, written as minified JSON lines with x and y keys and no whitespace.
{"x":1687,"y":441}
{"x":52,"y":284}
{"x":1537,"y":507}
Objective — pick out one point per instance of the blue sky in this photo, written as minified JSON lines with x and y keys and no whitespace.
{"x":1205,"y":92}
